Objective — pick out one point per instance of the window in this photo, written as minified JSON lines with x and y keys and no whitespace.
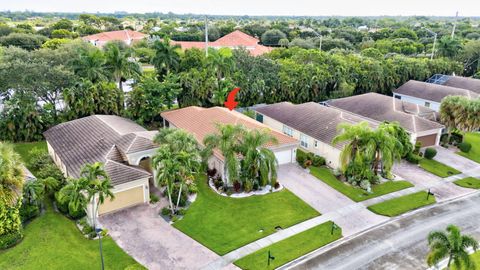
{"x":259,"y":118}
{"x":315,"y":143}
{"x":304,"y":140}
{"x":427,"y":104}
{"x":288,"y":131}
{"x":398,"y":97}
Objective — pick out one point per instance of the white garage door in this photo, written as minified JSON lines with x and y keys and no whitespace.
{"x":284,"y":157}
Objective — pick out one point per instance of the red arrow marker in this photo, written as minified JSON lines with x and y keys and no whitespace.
{"x":231,"y":103}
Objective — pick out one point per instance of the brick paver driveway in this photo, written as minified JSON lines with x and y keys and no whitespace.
{"x":153,"y":242}
{"x":351,"y":216}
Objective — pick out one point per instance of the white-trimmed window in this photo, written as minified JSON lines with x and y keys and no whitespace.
{"x":315,"y":143}
{"x":427,"y":104}
{"x":304,"y":140}
{"x":288,"y":131}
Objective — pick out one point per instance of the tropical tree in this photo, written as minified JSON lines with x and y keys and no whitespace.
{"x":118,"y":63}
{"x":387,"y":148}
{"x":166,"y":57}
{"x":33,"y":192}
{"x":228,"y":141}
{"x":11,"y":175}
{"x":449,"y":47}
{"x":452,"y":245}
{"x":74,"y":195}
{"x":90,"y":64}
{"x":458,"y":112}
{"x":176,"y":161}
{"x":258,"y":161}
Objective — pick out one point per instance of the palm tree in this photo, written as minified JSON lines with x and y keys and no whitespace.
{"x":355,"y":138}
{"x":118,"y":63}
{"x":166,"y":56}
{"x":228,"y":140}
{"x":166,"y":168}
{"x":74,"y":193}
{"x":90,"y":65}
{"x":50,"y":184}
{"x":258,"y":161}
{"x":11,"y":174}
{"x":453,"y":245}
{"x":449,"y":47}
{"x":386,"y":149}
{"x":33,"y":192}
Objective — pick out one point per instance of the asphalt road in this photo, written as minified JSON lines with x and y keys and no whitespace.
{"x":400,"y":244}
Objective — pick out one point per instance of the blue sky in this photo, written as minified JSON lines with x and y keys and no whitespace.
{"x":257,"y":7}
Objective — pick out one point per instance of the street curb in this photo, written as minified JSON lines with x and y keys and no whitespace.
{"x":337,"y":243}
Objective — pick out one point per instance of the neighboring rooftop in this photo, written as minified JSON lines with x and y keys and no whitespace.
{"x":456,"y":81}
{"x":234,"y":40}
{"x":101,"y":138}
{"x":123,"y":35}
{"x":381,"y":108}
{"x":315,"y":120}
{"x":431,"y":91}
{"x":202,"y":121}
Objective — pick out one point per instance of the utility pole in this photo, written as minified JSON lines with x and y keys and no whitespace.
{"x":434,"y":41}
{"x":320,"y":46}
{"x":206,"y":36}
{"x":454,"y":25}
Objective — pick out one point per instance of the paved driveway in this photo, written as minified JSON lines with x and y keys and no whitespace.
{"x":422,"y":179}
{"x":153,"y":242}
{"x":448,"y":157}
{"x":351,"y":216}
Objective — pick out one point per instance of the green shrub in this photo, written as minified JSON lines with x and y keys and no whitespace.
{"x":28,"y":212}
{"x":192,"y":188}
{"x":413,"y":158}
{"x":456,"y":138}
{"x":418,"y":145}
{"x":465,"y":147}
{"x":154,"y":198}
{"x":183,"y":196}
{"x":165,"y":211}
{"x":318,"y":161}
{"x":182,"y":211}
{"x":63,"y":208}
{"x":430,"y":153}
{"x":301,"y":159}
{"x":10,"y":239}
{"x":248,"y":186}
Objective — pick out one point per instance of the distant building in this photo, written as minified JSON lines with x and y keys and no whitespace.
{"x":236,"y":39}
{"x":456,"y":81}
{"x":127,"y":36}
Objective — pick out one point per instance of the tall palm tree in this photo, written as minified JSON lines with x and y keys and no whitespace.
{"x":11,"y":174}
{"x":166,"y":169}
{"x":228,"y":140}
{"x":452,"y":245}
{"x":118,"y":63}
{"x":90,"y":65}
{"x":166,"y":57}
{"x":355,"y":138}
{"x":74,"y":193}
{"x":259,"y":161}
{"x":386,"y":149}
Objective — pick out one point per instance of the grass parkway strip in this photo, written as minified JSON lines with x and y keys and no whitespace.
{"x":357,"y":194}
{"x":224,"y":224}
{"x":438,"y":168}
{"x":474,"y":140}
{"x":469,"y":182}
{"x":403,"y":204}
{"x":291,"y":248}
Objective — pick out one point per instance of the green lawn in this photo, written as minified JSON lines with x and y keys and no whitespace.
{"x":24,"y":148}
{"x":474,"y":140}
{"x":400,"y":205}
{"x":469,"y":182}
{"x":476,"y":258}
{"x":437,"y":168}
{"x":224,"y":224}
{"x":291,"y":248}
{"x":354,"y":193}
{"x":53,"y":242}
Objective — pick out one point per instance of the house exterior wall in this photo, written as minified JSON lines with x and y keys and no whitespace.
{"x":419,"y":101}
{"x":57,"y":160}
{"x":330,"y":153}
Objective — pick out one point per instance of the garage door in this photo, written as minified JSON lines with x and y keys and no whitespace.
{"x":284,"y":157}
{"x":428,"y":140}
{"x":122,"y":199}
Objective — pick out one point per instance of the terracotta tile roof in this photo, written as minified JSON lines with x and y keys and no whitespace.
{"x":432,"y":91}
{"x":123,"y":35}
{"x":236,"y":39}
{"x":381,"y":108}
{"x":99,"y":138}
{"x":315,"y":120}
{"x":201,"y":122}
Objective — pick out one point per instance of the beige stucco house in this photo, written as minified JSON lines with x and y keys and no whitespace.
{"x":124,"y":147}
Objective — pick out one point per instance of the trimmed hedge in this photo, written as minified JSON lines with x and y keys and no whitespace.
{"x":430,"y":153}
{"x":10,"y":239}
{"x":465,"y":147}
{"x":413,"y":158}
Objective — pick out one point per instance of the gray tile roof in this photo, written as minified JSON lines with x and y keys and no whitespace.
{"x":99,"y":138}
{"x":463,"y":82}
{"x":432,"y":91}
{"x":315,"y":120}
{"x":384,"y":108}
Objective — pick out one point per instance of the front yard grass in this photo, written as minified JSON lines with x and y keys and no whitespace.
{"x":437,"y":168}
{"x":469,"y":182}
{"x":52,"y":241}
{"x":476,"y":259}
{"x":23,"y":149}
{"x":224,"y":224}
{"x":291,"y":248}
{"x":403,"y":204}
{"x":355,"y":193}
{"x":474,"y":140}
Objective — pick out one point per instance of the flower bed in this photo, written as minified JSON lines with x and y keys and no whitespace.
{"x":261,"y":190}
